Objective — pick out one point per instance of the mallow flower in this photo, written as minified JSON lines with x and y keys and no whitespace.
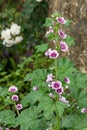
{"x":84,"y":110}
{"x":61,"y":20}
{"x":64,"y":46}
{"x":62,"y":34}
{"x":19,"y":106}
{"x":13,"y":89}
{"x":15,"y":97}
{"x":67,"y":80}
{"x":53,"y":54}
{"x":56,"y":85}
{"x":49,"y":77}
{"x":60,"y":90}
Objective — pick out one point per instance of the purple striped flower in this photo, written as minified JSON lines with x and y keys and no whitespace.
{"x":67,"y":80}
{"x":84,"y":110}
{"x":13,"y":89}
{"x":61,"y":20}
{"x":53,"y":54}
{"x":56,"y":85}
{"x":49,"y":78}
{"x":15,"y":98}
{"x":63,"y":99}
{"x":19,"y":106}
{"x":64,"y":46}
{"x":59,"y":90}
{"x":62,"y":34}
{"x":47,"y":52}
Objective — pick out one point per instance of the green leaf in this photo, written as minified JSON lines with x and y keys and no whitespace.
{"x":80,"y":123}
{"x":68,"y":22}
{"x":82,"y":99}
{"x":7,"y":117}
{"x":3,"y":91}
{"x":38,"y":77}
{"x":67,"y":121}
{"x":60,"y":106}
{"x":41,"y":48}
{"x":32,"y":97}
{"x":70,"y":40}
{"x":48,"y":22}
{"x":28,"y":119}
{"x":65,"y":68}
{"x":51,"y":37}
{"x":49,"y":106}
{"x":74,"y":122}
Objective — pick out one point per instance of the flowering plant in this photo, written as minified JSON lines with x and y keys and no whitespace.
{"x":57,"y":95}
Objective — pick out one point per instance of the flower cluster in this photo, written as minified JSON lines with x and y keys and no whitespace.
{"x":58,"y":87}
{"x":15,"y":97}
{"x":11,"y":36}
{"x":53,"y":83}
{"x":62,"y":45}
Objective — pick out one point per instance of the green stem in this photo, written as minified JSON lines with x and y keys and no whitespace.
{"x":56,"y":69}
{"x":16,"y":109}
{"x":57,"y":125}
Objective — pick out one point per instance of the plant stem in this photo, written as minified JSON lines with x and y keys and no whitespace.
{"x":56,"y":69}
{"x":57,"y":125}
{"x":16,"y":109}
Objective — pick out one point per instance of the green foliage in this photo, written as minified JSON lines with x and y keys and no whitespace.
{"x":48,"y":22}
{"x":37,"y":77}
{"x":28,"y":119}
{"x":50,"y":106}
{"x":37,"y":95}
{"x":70,"y":40}
{"x":7,"y":117}
{"x":75,"y":122}
{"x":41,"y":48}
{"x":65,"y":68}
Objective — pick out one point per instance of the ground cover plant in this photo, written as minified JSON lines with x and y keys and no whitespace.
{"x":45,"y":91}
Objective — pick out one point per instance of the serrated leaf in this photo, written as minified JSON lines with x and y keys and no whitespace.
{"x":7,"y":117}
{"x":48,"y":22}
{"x":60,"y":106}
{"x":80,"y":122}
{"x":3,"y":91}
{"x":70,"y":40}
{"x":50,"y":106}
{"x":38,"y":77}
{"x":32,"y":98}
{"x":65,"y":68}
{"x":75,"y":122}
{"x":41,"y":48}
{"x":67,"y":121}
{"x":28,"y":119}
